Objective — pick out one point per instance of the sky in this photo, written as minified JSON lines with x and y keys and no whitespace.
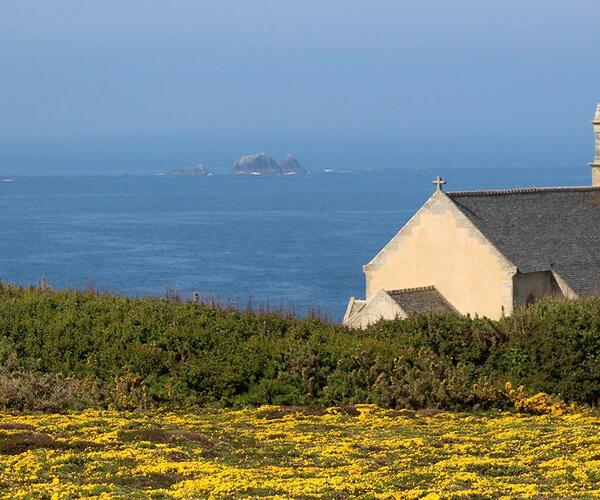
{"x":112,"y":86}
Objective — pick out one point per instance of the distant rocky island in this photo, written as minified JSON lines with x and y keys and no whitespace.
{"x":289,"y":165}
{"x":197,"y":171}
{"x":264,"y":164}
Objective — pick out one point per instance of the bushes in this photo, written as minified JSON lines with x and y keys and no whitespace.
{"x":24,"y":390}
{"x":554,"y":347}
{"x":131,"y":353}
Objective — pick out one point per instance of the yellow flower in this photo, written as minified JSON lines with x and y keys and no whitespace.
{"x":283,"y":452}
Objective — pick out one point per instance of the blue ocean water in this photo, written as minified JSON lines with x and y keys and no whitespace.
{"x":286,"y":242}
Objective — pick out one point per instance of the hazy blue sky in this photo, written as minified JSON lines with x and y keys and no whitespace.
{"x":141,"y":84}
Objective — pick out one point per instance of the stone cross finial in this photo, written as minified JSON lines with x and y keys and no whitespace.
{"x":439,"y":182}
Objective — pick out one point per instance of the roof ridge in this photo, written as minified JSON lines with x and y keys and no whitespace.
{"x":413,"y":289}
{"x":528,"y":190}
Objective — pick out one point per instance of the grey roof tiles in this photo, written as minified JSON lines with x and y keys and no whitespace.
{"x":542,"y":229}
{"x":418,"y":300}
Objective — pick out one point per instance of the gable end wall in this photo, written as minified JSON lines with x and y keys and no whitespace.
{"x":439,"y":246}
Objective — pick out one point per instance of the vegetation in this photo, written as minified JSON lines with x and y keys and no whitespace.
{"x":357,"y":413}
{"x":284,"y":452}
{"x":75,"y":350}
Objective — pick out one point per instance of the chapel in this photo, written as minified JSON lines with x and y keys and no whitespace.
{"x":485,"y":252}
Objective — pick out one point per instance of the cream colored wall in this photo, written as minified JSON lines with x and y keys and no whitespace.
{"x":441,"y":247}
{"x":564,"y":289}
{"x":596,"y":175}
{"x":381,"y":306}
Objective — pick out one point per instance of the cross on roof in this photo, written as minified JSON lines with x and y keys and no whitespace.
{"x":439,"y":182}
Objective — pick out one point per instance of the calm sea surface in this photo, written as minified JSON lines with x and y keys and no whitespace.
{"x":280,"y":241}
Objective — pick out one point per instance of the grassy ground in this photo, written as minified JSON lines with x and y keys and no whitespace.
{"x":286,"y":452}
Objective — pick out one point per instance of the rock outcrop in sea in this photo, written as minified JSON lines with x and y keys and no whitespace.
{"x":257,"y":164}
{"x":197,"y":171}
{"x":264,"y":164}
{"x":290,"y":165}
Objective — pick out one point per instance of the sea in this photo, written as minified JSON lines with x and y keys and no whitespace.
{"x":292,"y":243}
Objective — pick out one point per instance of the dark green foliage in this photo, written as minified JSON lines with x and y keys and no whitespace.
{"x":135,"y":353}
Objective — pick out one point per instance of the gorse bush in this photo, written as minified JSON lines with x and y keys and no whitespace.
{"x":79,"y":349}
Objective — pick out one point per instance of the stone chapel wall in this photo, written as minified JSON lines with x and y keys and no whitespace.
{"x":440,"y":247}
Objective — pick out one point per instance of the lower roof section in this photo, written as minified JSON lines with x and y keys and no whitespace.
{"x":420,"y":300}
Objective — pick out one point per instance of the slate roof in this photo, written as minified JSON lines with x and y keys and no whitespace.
{"x":418,"y":300}
{"x":542,"y":229}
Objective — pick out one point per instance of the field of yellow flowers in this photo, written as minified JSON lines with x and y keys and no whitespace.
{"x":357,"y":451}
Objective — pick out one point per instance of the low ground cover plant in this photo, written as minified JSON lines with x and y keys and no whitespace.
{"x":359,"y":451}
{"x":63,"y":350}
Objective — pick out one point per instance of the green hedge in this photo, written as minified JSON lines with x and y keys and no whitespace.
{"x":129,"y":352}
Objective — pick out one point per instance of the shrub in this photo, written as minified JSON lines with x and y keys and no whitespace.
{"x":25,"y":390}
{"x":66,"y":349}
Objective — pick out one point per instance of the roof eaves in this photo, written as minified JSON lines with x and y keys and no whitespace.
{"x":411,"y":290}
{"x":531,"y":190}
